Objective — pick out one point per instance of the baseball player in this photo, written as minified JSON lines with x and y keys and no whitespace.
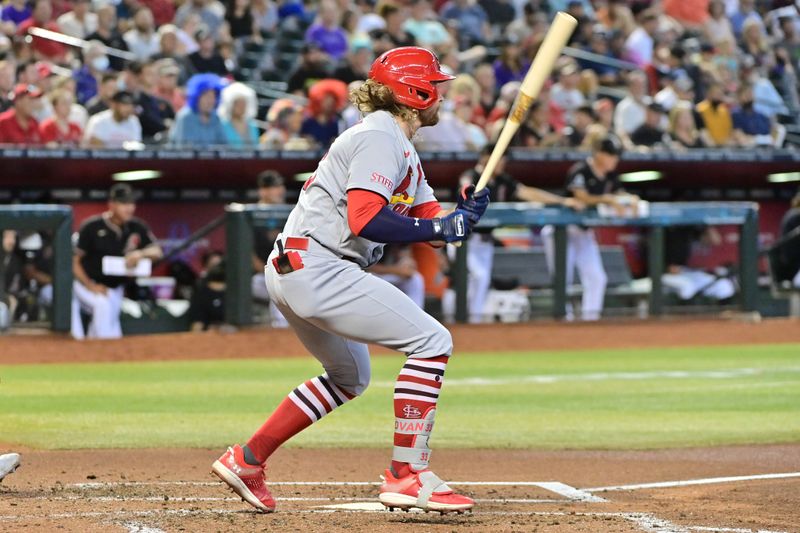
{"x":480,"y":253}
{"x":367,"y":191}
{"x":592,"y":182}
{"x":115,"y":233}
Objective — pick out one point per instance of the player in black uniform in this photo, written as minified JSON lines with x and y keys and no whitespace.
{"x":592,"y":182}
{"x":114,"y":233}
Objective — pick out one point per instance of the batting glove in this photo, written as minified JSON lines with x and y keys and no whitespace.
{"x":454,"y":227}
{"x":474,"y":203}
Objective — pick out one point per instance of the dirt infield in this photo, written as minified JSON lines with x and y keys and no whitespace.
{"x":171,"y":490}
{"x":153,"y":491}
{"x":260,"y":342}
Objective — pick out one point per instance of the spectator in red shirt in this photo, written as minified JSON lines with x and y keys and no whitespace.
{"x":167,"y":87}
{"x":17,"y":125}
{"x":42,"y":18}
{"x":163,"y":10}
{"x":58,"y":130}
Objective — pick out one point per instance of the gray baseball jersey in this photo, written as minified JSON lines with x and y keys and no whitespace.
{"x":335,"y":307}
{"x":373,"y":155}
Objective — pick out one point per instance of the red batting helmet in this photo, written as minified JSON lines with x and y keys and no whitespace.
{"x":412,"y":74}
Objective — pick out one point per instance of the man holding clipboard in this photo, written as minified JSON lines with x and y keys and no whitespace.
{"x":112,"y":246}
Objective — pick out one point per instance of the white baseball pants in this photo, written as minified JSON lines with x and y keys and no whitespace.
{"x":480,"y":259}
{"x":104,"y":308}
{"x":413,"y":287}
{"x":583,"y":252}
{"x":336,"y":309}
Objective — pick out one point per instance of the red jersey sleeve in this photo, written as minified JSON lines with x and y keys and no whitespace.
{"x":362,"y":206}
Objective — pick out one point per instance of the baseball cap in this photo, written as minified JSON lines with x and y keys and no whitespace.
{"x":168,"y":67}
{"x":122,"y":193}
{"x":24,"y":89}
{"x":603,"y":104}
{"x":44,"y":69}
{"x":269,"y":178}
{"x":569,"y":68}
{"x":123,"y":97}
{"x":610,"y":144}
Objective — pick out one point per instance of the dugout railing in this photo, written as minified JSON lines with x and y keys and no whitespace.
{"x":690,"y":175}
{"x":240,"y":220}
{"x":58,"y":220}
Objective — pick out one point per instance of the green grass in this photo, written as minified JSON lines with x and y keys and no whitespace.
{"x":618,"y":399}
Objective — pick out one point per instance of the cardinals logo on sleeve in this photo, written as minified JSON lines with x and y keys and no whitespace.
{"x":402,"y":201}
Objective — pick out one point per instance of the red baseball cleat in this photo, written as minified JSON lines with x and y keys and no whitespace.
{"x":246,"y":480}
{"x":422,"y":490}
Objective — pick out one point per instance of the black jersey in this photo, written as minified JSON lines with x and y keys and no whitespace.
{"x":99,"y":237}
{"x":581,"y":176}
{"x":263,"y":242}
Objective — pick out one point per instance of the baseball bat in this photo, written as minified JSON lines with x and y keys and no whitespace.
{"x":554,"y":42}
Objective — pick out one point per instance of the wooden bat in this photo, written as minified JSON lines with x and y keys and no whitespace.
{"x":554,"y":42}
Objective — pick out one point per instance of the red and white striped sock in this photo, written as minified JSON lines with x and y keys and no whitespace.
{"x":415,"y":395}
{"x":302,"y":407}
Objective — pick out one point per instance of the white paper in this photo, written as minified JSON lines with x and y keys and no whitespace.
{"x":640,"y":210}
{"x":115,"y":266}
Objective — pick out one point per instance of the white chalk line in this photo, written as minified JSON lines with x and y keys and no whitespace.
{"x":110,"y":484}
{"x":730,"y":373}
{"x":647,"y":521}
{"x":690,"y":482}
{"x":654,"y":524}
{"x":195,"y":499}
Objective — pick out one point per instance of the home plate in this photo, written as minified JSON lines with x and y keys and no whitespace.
{"x":362,"y":506}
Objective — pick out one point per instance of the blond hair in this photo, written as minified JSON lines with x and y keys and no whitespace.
{"x":466,"y":86}
{"x":681,"y":107}
{"x":58,"y":94}
{"x":374,"y":96}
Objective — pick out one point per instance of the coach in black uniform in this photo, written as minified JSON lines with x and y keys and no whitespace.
{"x":480,"y":252}
{"x":271,"y":191}
{"x":592,"y":182}
{"x":113,"y":233}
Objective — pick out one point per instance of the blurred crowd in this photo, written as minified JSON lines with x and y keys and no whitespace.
{"x":665,"y":74}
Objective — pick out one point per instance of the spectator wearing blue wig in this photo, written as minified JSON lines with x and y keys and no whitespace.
{"x":197,"y":123}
